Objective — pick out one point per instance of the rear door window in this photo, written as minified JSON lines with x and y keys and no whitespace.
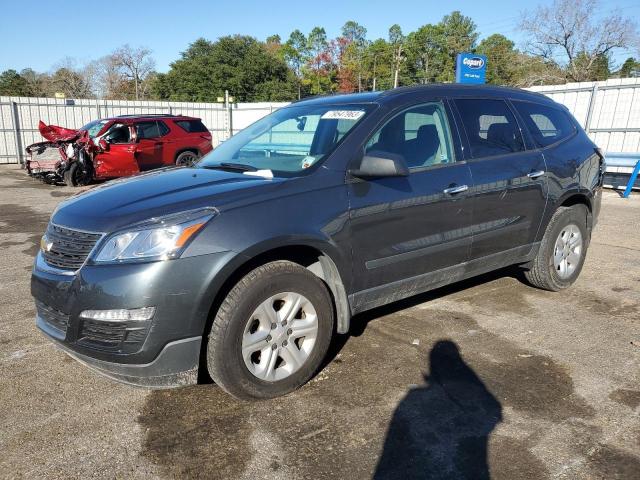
{"x":491,"y":127}
{"x":546,"y":124}
{"x":149,"y":129}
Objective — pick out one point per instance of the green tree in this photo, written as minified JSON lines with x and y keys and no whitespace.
{"x":501,"y":59}
{"x":630,"y":68}
{"x":377,"y":65}
{"x":354,"y":43}
{"x":296,"y":53}
{"x":396,"y":42}
{"x":425,"y":53}
{"x":318,"y":75}
{"x":239,"y":64}
{"x":273,"y":45}
{"x":459,"y":35}
{"x":13,"y":84}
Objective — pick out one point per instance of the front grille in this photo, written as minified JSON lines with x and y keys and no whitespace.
{"x":68,"y":248}
{"x":53,"y":317}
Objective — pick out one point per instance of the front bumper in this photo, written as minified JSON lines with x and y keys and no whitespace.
{"x":176,"y":365}
{"x":161,"y":352}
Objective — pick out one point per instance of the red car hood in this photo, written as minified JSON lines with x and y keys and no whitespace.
{"x":54,"y":133}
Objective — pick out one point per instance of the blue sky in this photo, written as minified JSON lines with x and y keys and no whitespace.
{"x":86,"y":31}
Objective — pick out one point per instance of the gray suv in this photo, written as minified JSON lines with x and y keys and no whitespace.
{"x":244,"y":265}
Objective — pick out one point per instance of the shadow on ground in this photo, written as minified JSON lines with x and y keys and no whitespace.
{"x":442,"y":428}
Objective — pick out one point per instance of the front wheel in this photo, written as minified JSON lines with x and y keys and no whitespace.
{"x":271,"y":332}
{"x":562,"y":251}
{"x":76,"y":176}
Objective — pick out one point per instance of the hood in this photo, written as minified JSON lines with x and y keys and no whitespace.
{"x":120,"y":203}
{"x":54,"y":133}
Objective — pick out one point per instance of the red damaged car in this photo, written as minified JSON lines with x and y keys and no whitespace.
{"x":116,"y":147}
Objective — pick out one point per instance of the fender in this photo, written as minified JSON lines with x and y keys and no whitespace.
{"x":330,"y":266}
{"x":580,"y":194}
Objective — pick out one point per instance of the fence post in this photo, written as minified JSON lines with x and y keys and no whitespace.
{"x":592,"y":102}
{"x":16,"y":131}
{"x":227,"y":104}
{"x":98,"y":109}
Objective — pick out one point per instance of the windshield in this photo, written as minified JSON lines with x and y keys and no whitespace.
{"x":94,"y":127}
{"x":289,"y":140}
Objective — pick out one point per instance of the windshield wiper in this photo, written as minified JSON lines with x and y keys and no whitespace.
{"x":239,"y":167}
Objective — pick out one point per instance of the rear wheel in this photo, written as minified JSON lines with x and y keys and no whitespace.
{"x":271,"y":332}
{"x":562,"y":251}
{"x":186,"y":159}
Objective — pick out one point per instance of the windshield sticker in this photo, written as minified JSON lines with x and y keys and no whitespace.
{"x":308,"y":161}
{"x":342,"y":115}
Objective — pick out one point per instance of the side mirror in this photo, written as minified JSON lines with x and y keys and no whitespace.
{"x":103,"y":144}
{"x":381,"y":164}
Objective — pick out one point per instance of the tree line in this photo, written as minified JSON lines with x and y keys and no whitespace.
{"x":566,"y":42}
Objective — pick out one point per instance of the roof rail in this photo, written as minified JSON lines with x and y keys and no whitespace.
{"x":146,"y":115}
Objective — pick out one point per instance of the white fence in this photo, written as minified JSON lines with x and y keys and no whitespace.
{"x":19,"y":117}
{"x":609,"y":111}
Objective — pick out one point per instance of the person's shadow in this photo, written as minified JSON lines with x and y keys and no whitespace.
{"x":441,"y":429}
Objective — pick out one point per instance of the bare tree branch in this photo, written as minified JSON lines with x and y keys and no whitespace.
{"x":568,"y":33}
{"x":136,"y":64}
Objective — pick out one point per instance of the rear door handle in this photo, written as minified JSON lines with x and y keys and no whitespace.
{"x":454,"y":190}
{"x":536,"y":174}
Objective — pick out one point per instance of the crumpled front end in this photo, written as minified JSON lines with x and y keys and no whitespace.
{"x":50,"y":159}
{"x":54,"y":133}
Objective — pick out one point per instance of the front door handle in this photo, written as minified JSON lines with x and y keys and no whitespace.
{"x":536,"y":174}
{"x":457,"y":189}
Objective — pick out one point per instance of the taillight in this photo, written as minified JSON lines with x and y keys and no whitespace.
{"x":603,"y":164}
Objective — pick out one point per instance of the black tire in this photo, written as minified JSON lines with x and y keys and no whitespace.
{"x":542,"y":273}
{"x":187,"y":158}
{"x":224,"y":356}
{"x":75,"y":176}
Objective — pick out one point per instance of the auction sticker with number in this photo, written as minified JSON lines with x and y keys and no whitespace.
{"x":342,"y":115}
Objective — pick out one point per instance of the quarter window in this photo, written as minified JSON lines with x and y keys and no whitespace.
{"x":491,"y":127}
{"x":547,"y":125}
{"x":421,"y":135}
{"x":192,"y":126}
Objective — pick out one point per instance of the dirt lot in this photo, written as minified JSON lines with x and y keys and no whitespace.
{"x":486,"y":378}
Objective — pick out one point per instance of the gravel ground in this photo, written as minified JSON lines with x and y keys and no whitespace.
{"x":487,"y":378}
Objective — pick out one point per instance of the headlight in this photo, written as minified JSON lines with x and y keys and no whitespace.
{"x":159,"y":239}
